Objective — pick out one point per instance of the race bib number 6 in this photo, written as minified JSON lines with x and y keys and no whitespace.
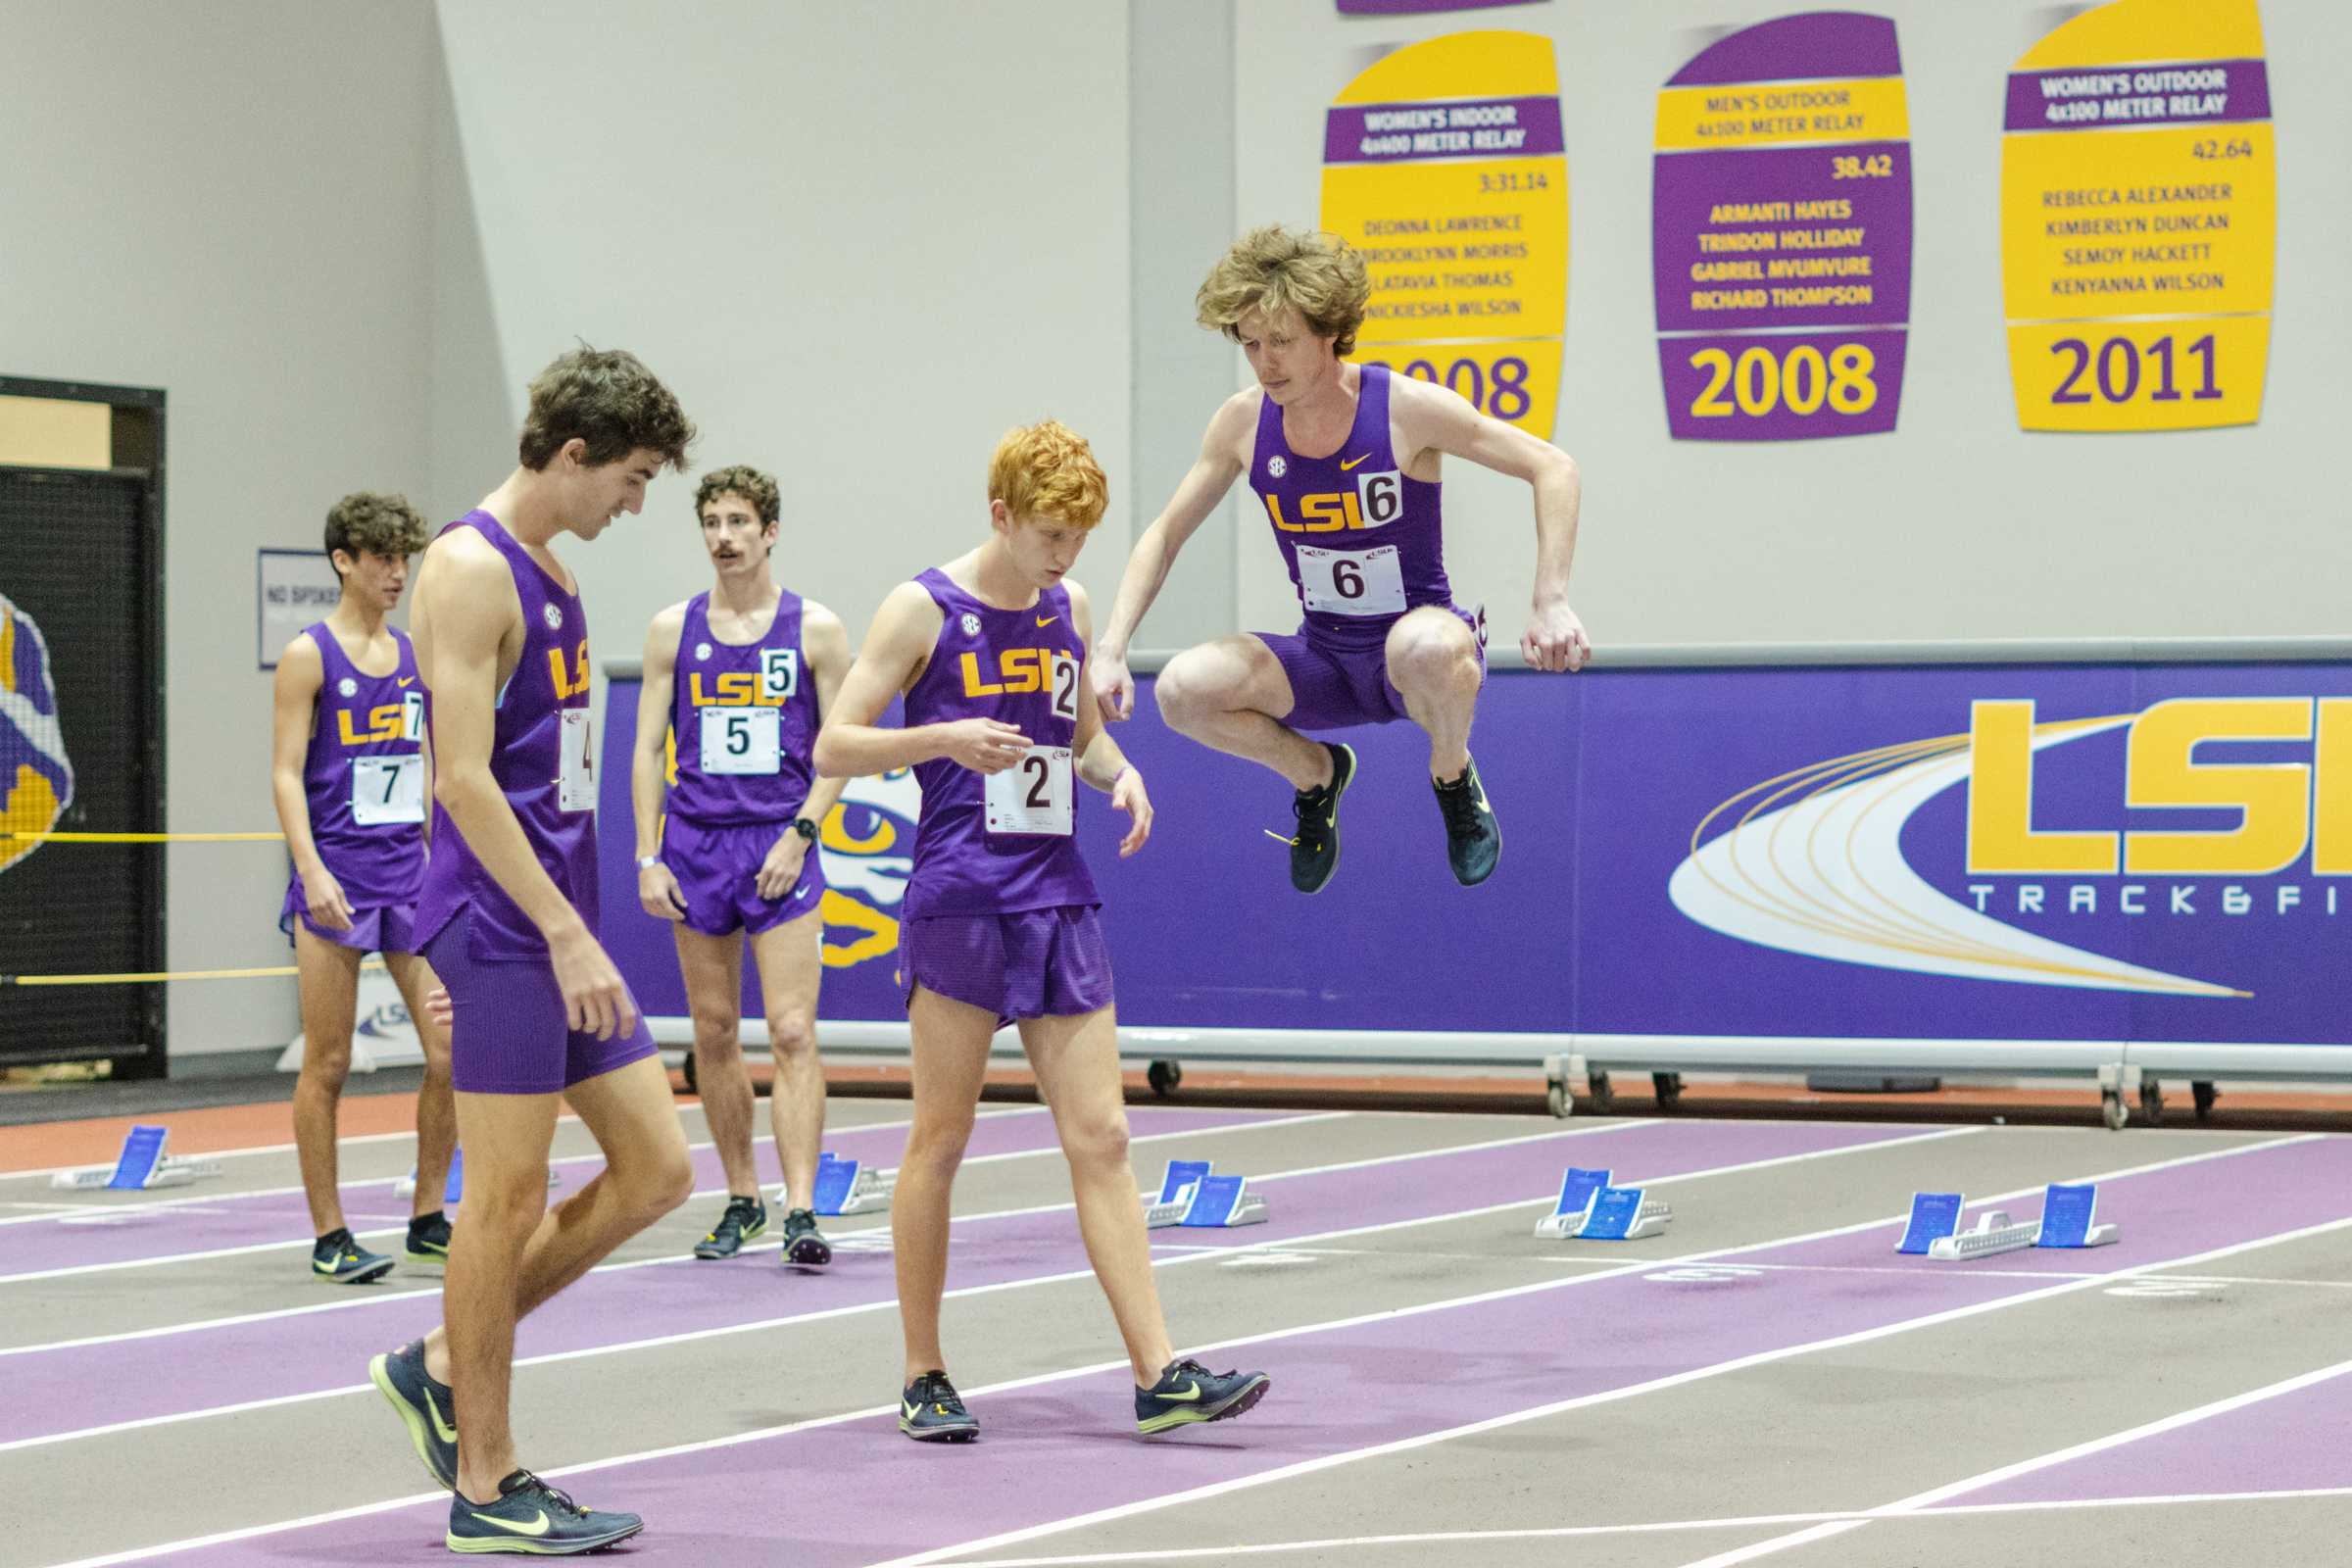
{"x":575,"y":761}
{"x":1351,"y":582}
{"x":1035,"y":795}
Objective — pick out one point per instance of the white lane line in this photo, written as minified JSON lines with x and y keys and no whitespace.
{"x":1651,"y":1528}
{"x":891,"y":1303}
{"x":75,"y":1269}
{"x":378,"y":1298}
{"x":159,"y":1204}
{"x":1672,"y":1379}
{"x":1922,"y":1502}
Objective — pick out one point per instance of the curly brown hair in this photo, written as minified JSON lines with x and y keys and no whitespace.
{"x":746,"y":481}
{"x":380,"y":522}
{"x":1270,"y":268}
{"x":609,"y":399}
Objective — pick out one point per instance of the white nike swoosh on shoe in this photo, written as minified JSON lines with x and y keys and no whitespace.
{"x":537,"y":1527}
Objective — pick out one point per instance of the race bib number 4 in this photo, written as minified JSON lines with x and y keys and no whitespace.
{"x":387,"y":789}
{"x":1353,"y":582}
{"x":1034,"y":797}
{"x":575,"y":761}
{"x":742,"y":740}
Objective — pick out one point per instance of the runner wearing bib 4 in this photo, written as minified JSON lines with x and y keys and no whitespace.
{"x":1344,"y":463}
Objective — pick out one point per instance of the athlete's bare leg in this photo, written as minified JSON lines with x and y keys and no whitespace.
{"x":436,"y":1109}
{"x":791,"y":962}
{"x":1232,"y":695}
{"x":951,"y":1040}
{"x":513,"y":1253}
{"x":327,"y":975}
{"x":1432,"y":660}
{"x":712,"y":969}
{"x":1078,"y":1058}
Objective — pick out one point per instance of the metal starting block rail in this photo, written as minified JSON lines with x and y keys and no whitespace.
{"x":1590,"y":1210}
{"x":141,"y":1168}
{"x":2069,"y":1220}
{"x":1191,"y":1194}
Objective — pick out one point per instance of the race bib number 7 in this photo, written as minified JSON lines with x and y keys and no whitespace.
{"x":575,"y":761}
{"x":1035,"y":795}
{"x":1353,"y":582}
{"x":387,"y":789}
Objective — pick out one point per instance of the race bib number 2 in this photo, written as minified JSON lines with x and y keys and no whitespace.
{"x":575,"y":761}
{"x":1353,"y":582}
{"x":387,"y":789}
{"x":1034,"y":797}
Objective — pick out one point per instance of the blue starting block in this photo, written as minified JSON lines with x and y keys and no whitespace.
{"x":453,"y":1191}
{"x":847,"y":1187}
{"x":1193,"y":1196}
{"x":141,"y":1167}
{"x":1590,"y":1210}
{"x":2069,"y":1219}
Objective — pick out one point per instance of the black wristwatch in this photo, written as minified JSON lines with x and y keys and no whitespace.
{"x":805,"y":828}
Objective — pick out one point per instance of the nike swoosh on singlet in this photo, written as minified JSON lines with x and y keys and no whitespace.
{"x":1352,"y":463}
{"x":408,"y":680}
{"x":1047,"y":621}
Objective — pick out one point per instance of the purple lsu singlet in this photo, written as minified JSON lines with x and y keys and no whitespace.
{"x":1363,"y":542}
{"x":1000,"y":843}
{"x":543,"y":760}
{"x":743,"y":719}
{"x":363,"y":776}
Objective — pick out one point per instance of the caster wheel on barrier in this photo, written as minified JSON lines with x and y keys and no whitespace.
{"x":1558,"y":1096}
{"x":1163,"y":1077}
{"x":1669,"y":1086}
{"x":2111,"y":1109}
{"x":691,"y":1087}
{"x":2203,"y":1094}
{"x":1605,"y":1095}
{"x":2151,"y":1101}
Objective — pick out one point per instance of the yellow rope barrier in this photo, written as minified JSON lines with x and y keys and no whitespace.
{"x":148,"y":838}
{"x":160,"y":975}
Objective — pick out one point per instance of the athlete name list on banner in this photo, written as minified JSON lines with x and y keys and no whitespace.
{"x":1444,"y":165}
{"x":2139,"y":211}
{"x":1781,"y":205}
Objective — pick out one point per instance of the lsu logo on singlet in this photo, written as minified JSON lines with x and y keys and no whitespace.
{"x":573,"y":680}
{"x":774,"y":685}
{"x":36,"y":778}
{"x":1015,"y":670}
{"x":1377,"y":501}
{"x":402,"y":721}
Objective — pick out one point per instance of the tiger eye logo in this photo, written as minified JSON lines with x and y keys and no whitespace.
{"x":37,"y":779}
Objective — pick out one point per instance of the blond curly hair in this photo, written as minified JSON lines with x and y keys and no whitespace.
{"x":1271,"y":269}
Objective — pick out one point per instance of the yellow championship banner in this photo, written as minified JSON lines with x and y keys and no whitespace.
{"x":2139,"y":216}
{"x":1444,"y":165}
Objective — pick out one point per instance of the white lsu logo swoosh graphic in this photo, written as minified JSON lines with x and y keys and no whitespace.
{"x":1825,"y":875}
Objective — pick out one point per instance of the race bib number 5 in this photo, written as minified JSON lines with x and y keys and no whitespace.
{"x":387,"y":789}
{"x":742,"y":740}
{"x":1034,"y":797}
{"x":575,"y":761}
{"x":1351,"y":582}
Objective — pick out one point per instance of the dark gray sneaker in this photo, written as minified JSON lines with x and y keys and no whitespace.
{"x":1315,"y":850}
{"x":805,"y":1246}
{"x":931,"y":1411}
{"x":426,"y":1407}
{"x":1187,"y":1392}
{"x":746,"y":1220}
{"x":1473,"y":840}
{"x":338,"y":1259}
{"x":532,"y":1517}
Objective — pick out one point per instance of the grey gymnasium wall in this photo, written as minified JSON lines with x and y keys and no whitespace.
{"x":1956,"y":525}
{"x":228,"y":201}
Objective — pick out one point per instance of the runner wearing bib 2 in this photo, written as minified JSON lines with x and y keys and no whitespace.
{"x":1000,"y":922}
{"x":1344,"y":463}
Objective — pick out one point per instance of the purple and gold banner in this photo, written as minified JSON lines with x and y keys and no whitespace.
{"x":1478,"y":127}
{"x":1781,"y":203}
{"x":2204,"y":92}
{"x":2031,"y":853}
